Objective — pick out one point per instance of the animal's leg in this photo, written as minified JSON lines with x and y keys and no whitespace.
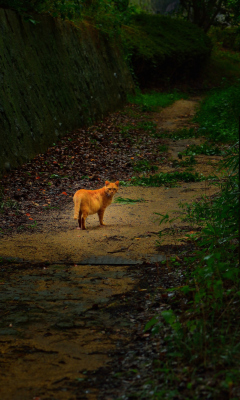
{"x":83,"y":219}
{"x":100,"y":215}
{"x":80,"y":219}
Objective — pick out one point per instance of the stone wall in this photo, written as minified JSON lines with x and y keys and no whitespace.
{"x":54,"y":77}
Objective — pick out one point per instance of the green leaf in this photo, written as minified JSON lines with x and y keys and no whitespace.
{"x":152,"y":322}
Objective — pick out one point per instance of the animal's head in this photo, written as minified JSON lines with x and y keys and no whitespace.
{"x":111,"y":188}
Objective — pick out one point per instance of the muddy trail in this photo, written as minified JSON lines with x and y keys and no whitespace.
{"x":70,"y":298}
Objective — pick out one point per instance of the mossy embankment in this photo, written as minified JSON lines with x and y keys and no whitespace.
{"x":162,"y":50}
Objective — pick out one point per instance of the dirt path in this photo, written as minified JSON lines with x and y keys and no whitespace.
{"x":55,"y":325}
{"x":131,"y":229}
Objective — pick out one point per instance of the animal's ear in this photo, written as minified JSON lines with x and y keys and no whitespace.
{"x":117,"y":183}
{"x":107,"y":183}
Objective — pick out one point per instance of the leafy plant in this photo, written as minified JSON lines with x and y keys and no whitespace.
{"x":163,"y":148}
{"x":180,"y":134}
{"x":205,"y":148}
{"x":148,"y":126}
{"x":125,"y":130}
{"x":204,"y":13}
{"x":128,"y":201}
{"x":189,"y":161}
{"x":65,"y":9}
{"x":207,"y":333}
{"x":184,"y":133}
{"x":167,"y":179}
{"x":219,"y":114}
{"x":34,"y":225}
{"x":144,"y":165}
{"x":166,"y":220}
{"x":8,"y":203}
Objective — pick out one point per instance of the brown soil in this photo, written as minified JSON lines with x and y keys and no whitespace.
{"x":131,"y":229}
{"x":50,"y":330}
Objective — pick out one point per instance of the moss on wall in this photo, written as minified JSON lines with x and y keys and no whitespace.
{"x":54,"y":77}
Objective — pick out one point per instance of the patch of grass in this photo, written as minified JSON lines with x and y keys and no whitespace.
{"x":219,"y":114}
{"x":189,"y":169}
{"x":189,"y":161}
{"x":153,"y":100}
{"x":7,"y":204}
{"x":149,"y":126}
{"x":168,"y":179}
{"x":51,"y":207}
{"x":125,"y":131}
{"x":128,"y":201}
{"x":124,"y":183}
{"x":144,"y":166}
{"x":206,"y":148}
{"x":34,"y":225}
{"x":163,"y":148}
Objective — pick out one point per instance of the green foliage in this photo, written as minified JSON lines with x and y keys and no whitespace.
{"x":106,"y":15}
{"x":144,"y":165}
{"x":167,"y":179}
{"x":185,"y":163}
{"x":163,"y":148}
{"x":180,"y":134}
{"x":219,"y":114}
{"x":206,"y":148}
{"x":222,"y":67}
{"x":152,"y":100}
{"x":148,"y":126}
{"x":65,"y":9}
{"x":208,"y":333}
{"x":5,"y":205}
{"x":126,"y":200}
{"x":125,"y":130}
{"x":228,"y":38}
{"x":150,"y":42}
{"x":165,"y":219}
{"x":204,"y":13}
{"x":109,"y":16}
{"x":159,"y":48}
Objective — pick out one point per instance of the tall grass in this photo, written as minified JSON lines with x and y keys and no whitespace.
{"x":204,"y":333}
{"x":202,"y":324}
{"x":220,"y":113}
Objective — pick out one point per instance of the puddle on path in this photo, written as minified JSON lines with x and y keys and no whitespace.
{"x":54,"y":326}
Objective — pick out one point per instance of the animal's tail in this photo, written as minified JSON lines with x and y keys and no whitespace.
{"x":77,"y":204}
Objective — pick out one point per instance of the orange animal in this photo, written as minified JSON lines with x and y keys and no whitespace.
{"x":88,"y":202}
